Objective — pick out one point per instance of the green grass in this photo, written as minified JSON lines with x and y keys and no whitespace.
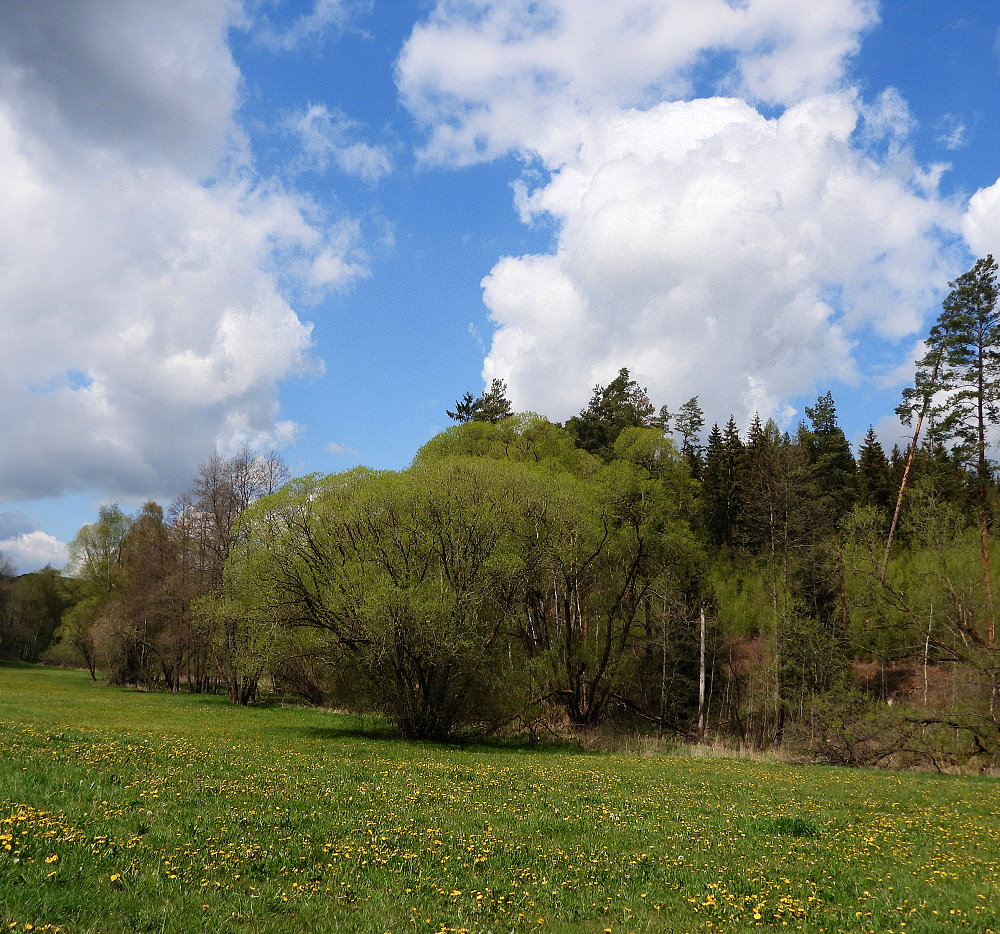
{"x":134,"y":812}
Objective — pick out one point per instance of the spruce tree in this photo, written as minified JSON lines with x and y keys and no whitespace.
{"x":829,"y":451}
{"x":875,"y":484}
{"x":722,"y":483}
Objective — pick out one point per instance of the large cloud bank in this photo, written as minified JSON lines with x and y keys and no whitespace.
{"x":732,"y":217}
{"x":144,"y":318}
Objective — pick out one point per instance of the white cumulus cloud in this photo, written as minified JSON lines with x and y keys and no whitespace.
{"x":489,"y":76}
{"x":981,"y":223}
{"x":737,"y":245}
{"x":147,"y":270}
{"x":30,"y":551}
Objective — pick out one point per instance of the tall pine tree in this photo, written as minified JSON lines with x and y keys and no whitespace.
{"x":622,"y":404}
{"x":492,"y":405}
{"x":961,"y":377}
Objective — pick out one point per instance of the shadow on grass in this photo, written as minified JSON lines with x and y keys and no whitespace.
{"x":783,"y":826}
{"x":371,"y":729}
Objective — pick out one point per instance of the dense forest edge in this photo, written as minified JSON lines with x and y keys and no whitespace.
{"x":623,"y":572}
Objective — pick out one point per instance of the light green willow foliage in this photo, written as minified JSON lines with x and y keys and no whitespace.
{"x":410,"y":575}
{"x":612,"y":552}
{"x":503,"y":565}
{"x":525,"y":438}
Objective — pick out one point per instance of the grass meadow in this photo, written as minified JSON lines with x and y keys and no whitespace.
{"x":136,"y":812}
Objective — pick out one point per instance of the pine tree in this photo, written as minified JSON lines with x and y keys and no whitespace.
{"x":492,"y":405}
{"x":622,"y":404}
{"x":958,"y":382}
{"x":688,"y":423}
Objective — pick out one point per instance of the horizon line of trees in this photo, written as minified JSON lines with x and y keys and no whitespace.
{"x":759,"y":587}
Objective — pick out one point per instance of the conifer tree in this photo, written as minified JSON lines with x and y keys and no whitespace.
{"x":875,"y":486}
{"x":622,"y":404}
{"x":721,"y":483}
{"x":833,"y":466}
{"x":492,"y":405}
{"x":688,"y":423}
{"x":958,"y":382}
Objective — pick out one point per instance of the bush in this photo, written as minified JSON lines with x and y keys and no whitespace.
{"x":847,"y":729}
{"x":852,"y":729}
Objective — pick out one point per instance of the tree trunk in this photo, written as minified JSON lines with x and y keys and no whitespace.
{"x":984,"y":479}
{"x":909,"y":463}
{"x":984,"y":546}
{"x":701,"y":674}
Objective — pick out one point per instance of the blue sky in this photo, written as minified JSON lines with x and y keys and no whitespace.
{"x":313,"y":225}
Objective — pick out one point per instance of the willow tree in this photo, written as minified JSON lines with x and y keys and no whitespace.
{"x":405,"y":578}
{"x":602,"y":551}
{"x":96,"y":562}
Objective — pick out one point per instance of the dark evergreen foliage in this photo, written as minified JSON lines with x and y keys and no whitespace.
{"x":722,"y":484}
{"x":688,"y":423}
{"x":492,"y":405}
{"x":622,"y":404}
{"x":833,"y":467}
{"x":875,"y":476}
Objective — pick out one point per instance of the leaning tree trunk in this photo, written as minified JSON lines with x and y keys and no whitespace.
{"x":906,"y":470}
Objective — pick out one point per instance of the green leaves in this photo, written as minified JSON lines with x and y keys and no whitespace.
{"x":95,"y":554}
{"x":492,"y":405}
{"x":961,"y":392}
{"x":450,"y":589}
{"x":621,"y":404}
{"x":958,"y":380}
{"x":410,"y":574}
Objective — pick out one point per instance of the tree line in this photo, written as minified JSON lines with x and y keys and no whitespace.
{"x":624,"y":569}
{"x":130,"y":605}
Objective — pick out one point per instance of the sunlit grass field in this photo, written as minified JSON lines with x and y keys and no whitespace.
{"x":133,"y":812}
